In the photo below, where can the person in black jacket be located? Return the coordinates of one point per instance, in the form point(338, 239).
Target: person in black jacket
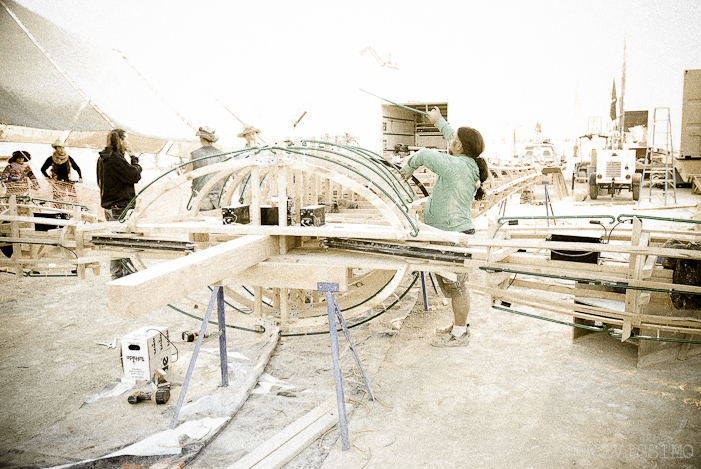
point(61, 164)
point(116, 178)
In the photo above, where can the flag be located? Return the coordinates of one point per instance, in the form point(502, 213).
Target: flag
point(613, 101)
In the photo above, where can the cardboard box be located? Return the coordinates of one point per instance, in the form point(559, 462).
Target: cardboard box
point(144, 351)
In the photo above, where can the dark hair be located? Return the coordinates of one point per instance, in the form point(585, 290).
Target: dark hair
point(473, 146)
point(114, 141)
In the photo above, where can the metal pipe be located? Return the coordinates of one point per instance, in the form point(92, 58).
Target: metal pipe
point(396, 104)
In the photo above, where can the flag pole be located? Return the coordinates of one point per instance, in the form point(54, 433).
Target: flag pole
point(623, 90)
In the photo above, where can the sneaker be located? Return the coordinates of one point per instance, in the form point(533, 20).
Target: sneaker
point(449, 340)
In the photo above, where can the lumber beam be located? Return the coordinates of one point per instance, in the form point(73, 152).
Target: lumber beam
point(294, 274)
point(289, 442)
point(142, 292)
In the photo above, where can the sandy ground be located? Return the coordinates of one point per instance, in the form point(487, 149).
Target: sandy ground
point(523, 394)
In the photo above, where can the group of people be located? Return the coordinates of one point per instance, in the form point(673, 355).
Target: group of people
point(207, 154)
point(18, 175)
point(460, 174)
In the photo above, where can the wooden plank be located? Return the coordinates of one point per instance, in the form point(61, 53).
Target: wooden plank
point(290, 274)
point(139, 293)
point(281, 448)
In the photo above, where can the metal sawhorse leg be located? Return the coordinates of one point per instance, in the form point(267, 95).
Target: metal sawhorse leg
point(218, 295)
point(548, 205)
point(335, 313)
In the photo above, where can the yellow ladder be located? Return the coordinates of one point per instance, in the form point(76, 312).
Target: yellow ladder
point(659, 156)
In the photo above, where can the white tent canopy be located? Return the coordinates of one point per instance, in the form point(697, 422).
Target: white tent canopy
point(55, 84)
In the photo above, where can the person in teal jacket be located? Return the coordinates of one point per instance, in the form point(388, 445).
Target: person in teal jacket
point(449, 207)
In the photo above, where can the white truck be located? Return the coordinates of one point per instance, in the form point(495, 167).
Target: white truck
point(615, 171)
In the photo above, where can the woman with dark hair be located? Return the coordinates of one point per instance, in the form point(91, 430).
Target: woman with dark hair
point(18, 173)
point(116, 178)
point(449, 208)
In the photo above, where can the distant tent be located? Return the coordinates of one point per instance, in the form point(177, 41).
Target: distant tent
point(52, 81)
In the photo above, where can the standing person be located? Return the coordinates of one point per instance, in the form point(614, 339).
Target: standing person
point(207, 137)
point(61, 164)
point(449, 208)
point(116, 178)
point(18, 174)
point(250, 133)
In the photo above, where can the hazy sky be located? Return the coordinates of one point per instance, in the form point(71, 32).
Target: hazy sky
point(501, 65)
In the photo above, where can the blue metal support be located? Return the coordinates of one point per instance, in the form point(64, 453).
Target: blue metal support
point(548, 205)
point(221, 319)
point(215, 295)
point(423, 290)
point(502, 208)
point(334, 312)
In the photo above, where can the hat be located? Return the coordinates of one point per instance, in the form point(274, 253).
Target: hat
point(248, 129)
point(208, 134)
point(20, 154)
point(58, 143)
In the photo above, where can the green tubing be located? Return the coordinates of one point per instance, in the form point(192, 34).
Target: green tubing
point(122, 217)
point(46, 244)
point(26, 198)
point(399, 298)
point(415, 231)
point(624, 217)
point(83, 208)
point(501, 220)
point(193, 194)
point(372, 167)
point(378, 161)
point(342, 310)
point(368, 162)
point(535, 274)
point(28, 274)
point(384, 164)
point(603, 328)
point(655, 339)
point(201, 181)
point(230, 305)
point(659, 290)
point(603, 283)
point(581, 326)
point(214, 322)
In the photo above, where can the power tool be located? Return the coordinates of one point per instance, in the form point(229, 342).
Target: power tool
point(191, 336)
point(159, 396)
